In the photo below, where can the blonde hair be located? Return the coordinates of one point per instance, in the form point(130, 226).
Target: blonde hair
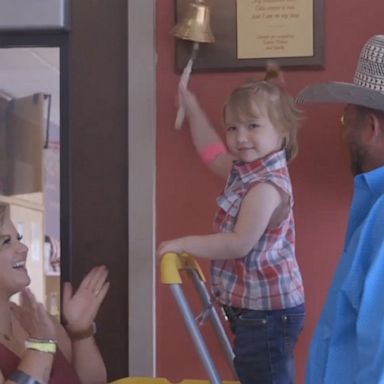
point(279, 104)
point(4, 213)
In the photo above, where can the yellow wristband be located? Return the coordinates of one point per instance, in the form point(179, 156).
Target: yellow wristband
point(48, 346)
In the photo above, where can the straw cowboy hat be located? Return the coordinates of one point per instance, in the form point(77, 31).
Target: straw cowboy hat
point(367, 88)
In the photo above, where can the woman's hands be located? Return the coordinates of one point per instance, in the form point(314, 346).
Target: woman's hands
point(80, 308)
point(33, 317)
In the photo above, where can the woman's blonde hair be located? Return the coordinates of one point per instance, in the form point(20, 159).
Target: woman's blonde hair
point(4, 212)
point(271, 94)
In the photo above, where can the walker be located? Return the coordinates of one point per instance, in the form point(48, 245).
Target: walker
point(171, 265)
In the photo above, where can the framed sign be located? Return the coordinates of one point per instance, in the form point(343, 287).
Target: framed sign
point(248, 33)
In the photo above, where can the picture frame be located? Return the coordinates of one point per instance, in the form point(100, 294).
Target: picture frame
point(222, 54)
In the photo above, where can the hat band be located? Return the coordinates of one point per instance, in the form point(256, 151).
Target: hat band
point(369, 82)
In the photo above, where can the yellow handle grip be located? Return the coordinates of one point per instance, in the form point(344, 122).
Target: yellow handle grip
point(172, 263)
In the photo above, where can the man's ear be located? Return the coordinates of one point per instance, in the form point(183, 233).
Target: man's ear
point(374, 134)
point(374, 130)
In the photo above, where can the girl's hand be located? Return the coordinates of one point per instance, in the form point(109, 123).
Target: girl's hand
point(170, 246)
point(33, 317)
point(80, 308)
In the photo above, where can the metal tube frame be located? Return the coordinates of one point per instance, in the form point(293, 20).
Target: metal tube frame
point(215, 319)
point(196, 334)
point(193, 328)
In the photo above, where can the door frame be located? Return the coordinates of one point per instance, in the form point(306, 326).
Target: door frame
point(141, 187)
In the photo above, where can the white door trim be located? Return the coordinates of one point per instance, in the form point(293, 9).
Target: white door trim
point(141, 186)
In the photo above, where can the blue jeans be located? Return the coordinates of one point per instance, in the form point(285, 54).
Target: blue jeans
point(264, 344)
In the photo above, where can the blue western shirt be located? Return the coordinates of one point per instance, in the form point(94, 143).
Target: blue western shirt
point(348, 344)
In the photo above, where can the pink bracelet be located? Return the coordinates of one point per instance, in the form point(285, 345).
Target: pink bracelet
point(210, 153)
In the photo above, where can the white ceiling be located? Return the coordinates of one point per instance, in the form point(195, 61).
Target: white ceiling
point(24, 71)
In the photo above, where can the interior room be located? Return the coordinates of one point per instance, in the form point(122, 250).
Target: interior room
point(95, 172)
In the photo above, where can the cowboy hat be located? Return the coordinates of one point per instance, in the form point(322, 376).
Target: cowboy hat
point(367, 88)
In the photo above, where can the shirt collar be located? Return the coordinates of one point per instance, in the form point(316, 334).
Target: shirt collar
point(275, 160)
point(373, 180)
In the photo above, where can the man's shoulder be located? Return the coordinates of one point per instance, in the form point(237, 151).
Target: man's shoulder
point(378, 205)
point(374, 220)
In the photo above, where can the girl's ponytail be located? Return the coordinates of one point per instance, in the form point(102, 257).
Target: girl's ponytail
point(274, 75)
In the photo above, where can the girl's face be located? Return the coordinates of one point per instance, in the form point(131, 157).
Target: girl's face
point(251, 136)
point(13, 254)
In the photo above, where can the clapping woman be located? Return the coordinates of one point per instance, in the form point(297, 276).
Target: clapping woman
point(34, 347)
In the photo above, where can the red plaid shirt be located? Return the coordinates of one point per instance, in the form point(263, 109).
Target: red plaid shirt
point(268, 277)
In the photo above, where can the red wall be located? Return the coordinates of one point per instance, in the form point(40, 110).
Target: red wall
point(186, 191)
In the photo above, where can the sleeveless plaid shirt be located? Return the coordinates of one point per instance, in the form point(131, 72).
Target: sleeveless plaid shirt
point(268, 277)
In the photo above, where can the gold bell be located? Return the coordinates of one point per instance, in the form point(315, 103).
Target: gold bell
point(194, 25)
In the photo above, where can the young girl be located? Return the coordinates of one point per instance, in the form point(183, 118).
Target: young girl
point(254, 270)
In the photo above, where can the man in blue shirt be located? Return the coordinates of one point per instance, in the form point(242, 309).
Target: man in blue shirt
point(348, 344)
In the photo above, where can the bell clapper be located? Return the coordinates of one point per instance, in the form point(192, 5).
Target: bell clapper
point(194, 26)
